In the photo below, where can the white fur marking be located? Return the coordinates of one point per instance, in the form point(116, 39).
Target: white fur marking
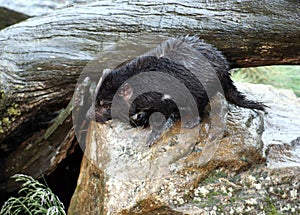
point(165, 97)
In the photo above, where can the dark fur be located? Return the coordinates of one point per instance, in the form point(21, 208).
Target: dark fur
point(159, 60)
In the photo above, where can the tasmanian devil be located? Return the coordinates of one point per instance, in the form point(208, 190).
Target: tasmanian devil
point(174, 80)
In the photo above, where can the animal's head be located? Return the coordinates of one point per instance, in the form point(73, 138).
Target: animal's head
point(110, 87)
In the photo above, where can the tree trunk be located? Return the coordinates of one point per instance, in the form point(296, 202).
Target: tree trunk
point(42, 57)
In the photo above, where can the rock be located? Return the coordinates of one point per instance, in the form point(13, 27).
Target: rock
point(260, 190)
point(120, 175)
point(281, 134)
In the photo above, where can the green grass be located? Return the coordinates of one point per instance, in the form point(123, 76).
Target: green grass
point(34, 198)
point(214, 176)
point(270, 208)
point(287, 77)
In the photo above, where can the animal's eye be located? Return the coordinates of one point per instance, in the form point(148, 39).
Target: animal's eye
point(107, 102)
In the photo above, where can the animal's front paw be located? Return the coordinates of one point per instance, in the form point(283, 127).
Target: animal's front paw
point(192, 123)
point(158, 128)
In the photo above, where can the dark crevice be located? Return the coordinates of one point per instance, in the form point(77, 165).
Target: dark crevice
point(39, 121)
point(63, 180)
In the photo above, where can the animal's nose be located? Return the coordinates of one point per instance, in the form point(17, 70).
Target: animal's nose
point(90, 115)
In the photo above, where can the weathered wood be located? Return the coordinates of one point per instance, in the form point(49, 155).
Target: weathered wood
point(35, 7)
point(41, 58)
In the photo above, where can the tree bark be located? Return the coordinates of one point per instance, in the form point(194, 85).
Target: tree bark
point(42, 57)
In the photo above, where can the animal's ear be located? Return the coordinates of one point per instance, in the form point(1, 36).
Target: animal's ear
point(126, 92)
point(105, 72)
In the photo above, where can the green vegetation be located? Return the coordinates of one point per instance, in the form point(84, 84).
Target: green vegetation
point(251, 193)
point(214, 176)
point(270, 208)
point(13, 110)
point(35, 198)
point(9, 117)
point(287, 77)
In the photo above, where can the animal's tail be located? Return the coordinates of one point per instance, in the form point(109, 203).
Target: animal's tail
point(239, 99)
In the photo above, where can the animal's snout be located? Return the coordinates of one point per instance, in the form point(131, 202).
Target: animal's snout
point(99, 115)
point(90, 115)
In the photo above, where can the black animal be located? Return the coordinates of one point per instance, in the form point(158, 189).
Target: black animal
point(152, 83)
